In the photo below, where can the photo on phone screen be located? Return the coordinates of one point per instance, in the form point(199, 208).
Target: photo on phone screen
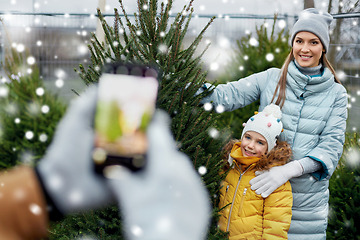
point(124, 110)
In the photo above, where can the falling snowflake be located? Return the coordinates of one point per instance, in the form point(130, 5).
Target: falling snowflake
point(202, 170)
point(163, 48)
point(59, 83)
point(4, 91)
point(246, 57)
point(45, 109)
point(27, 157)
point(11, 108)
point(17, 120)
point(29, 135)
point(33, 108)
point(43, 137)
point(214, 133)
point(208, 106)
point(220, 109)
point(269, 57)
point(82, 49)
point(40, 91)
point(35, 209)
point(20, 47)
point(282, 24)
point(30, 60)
point(341, 75)
point(254, 42)
point(353, 158)
point(136, 231)
point(75, 197)
point(214, 66)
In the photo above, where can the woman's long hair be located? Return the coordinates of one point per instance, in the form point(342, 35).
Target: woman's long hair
point(281, 85)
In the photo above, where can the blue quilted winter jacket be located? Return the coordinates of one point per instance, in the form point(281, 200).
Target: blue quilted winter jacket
point(314, 119)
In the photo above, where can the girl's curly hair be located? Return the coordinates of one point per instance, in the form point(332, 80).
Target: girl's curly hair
point(226, 150)
point(279, 155)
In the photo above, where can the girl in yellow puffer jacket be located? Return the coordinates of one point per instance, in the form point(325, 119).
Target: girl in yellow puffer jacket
point(245, 214)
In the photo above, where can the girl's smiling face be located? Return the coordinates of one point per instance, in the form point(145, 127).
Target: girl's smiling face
point(307, 49)
point(253, 144)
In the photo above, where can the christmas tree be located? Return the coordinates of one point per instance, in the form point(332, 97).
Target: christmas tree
point(344, 186)
point(154, 40)
point(253, 55)
point(28, 112)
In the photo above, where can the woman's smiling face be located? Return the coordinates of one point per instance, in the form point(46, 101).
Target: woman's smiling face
point(307, 49)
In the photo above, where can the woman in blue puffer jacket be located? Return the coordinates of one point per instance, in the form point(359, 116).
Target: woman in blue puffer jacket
point(314, 106)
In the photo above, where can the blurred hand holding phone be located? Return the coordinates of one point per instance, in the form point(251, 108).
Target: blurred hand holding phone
point(126, 102)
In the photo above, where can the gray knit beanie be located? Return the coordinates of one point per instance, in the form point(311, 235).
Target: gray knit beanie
point(316, 22)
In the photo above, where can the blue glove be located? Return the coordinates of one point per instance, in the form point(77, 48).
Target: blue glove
point(166, 199)
point(268, 181)
point(66, 171)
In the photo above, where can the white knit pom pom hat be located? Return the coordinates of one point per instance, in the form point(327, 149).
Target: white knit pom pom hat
point(267, 123)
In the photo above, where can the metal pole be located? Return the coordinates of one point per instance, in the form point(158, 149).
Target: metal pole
point(99, 31)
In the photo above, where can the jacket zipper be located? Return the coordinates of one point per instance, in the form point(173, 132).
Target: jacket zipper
point(236, 189)
point(232, 203)
point(242, 201)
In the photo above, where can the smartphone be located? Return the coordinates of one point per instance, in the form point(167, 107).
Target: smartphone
point(125, 105)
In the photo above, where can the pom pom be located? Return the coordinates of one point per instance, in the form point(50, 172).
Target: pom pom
point(273, 109)
point(244, 124)
point(269, 124)
point(282, 130)
point(252, 119)
point(256, 112)
point(278, 120)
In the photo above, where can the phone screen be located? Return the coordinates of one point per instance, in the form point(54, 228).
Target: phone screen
point(124, 110)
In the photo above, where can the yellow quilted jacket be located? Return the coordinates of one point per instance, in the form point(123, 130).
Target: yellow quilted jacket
point(251, 216)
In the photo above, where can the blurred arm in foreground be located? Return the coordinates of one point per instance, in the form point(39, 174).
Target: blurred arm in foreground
point(165, 200)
